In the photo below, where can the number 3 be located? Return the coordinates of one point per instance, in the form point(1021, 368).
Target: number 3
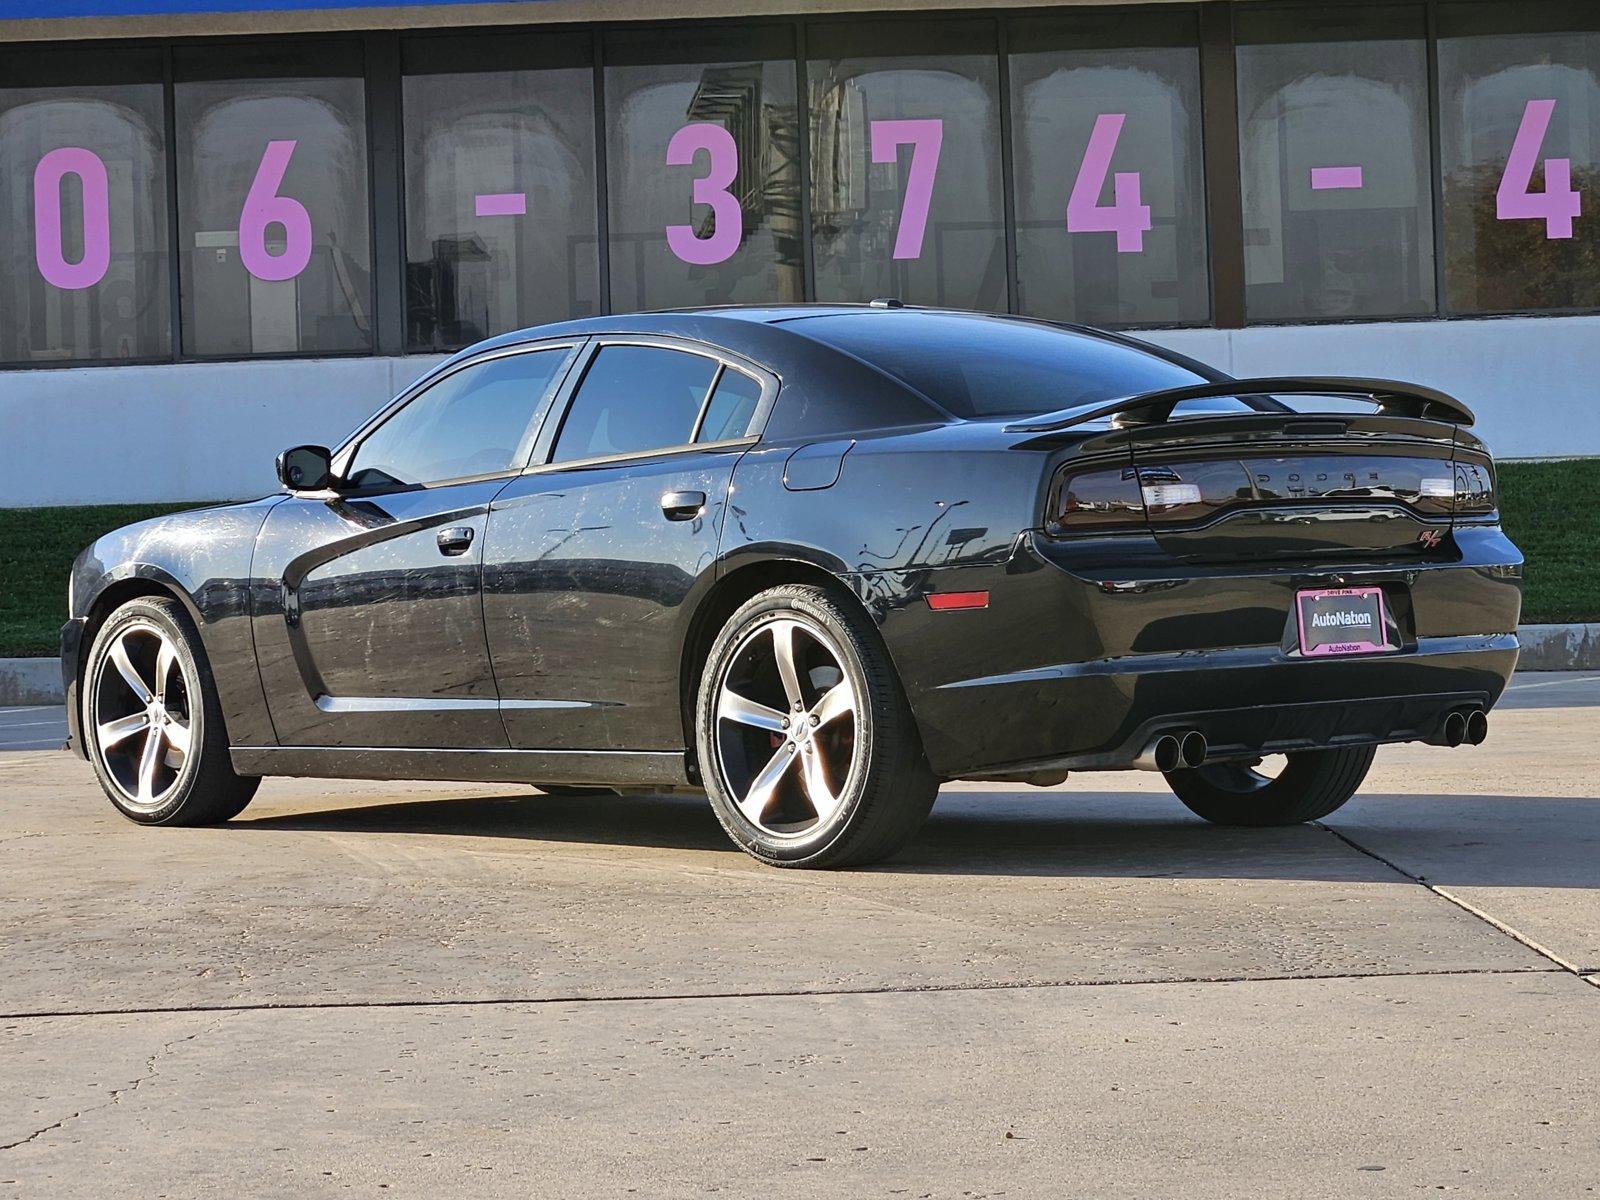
point(710, 189)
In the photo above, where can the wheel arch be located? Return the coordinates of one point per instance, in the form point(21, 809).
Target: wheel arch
point(732, 589)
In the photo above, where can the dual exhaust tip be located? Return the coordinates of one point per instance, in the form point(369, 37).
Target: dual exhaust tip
point(1173, 751)
point(1464, 727)
point(1170, 751)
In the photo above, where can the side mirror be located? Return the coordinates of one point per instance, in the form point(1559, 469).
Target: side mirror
point(305, 468)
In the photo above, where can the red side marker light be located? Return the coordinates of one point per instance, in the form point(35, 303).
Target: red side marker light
point(947, 601)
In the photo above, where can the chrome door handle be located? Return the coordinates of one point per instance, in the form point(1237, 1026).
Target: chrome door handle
point(455, 540)
point(683, 506)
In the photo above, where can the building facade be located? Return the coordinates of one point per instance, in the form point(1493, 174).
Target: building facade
point(232, 225)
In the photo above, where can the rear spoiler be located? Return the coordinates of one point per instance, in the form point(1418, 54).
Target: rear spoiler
point(1152, 408)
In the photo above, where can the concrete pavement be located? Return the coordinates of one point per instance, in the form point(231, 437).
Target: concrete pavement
point(435, 990)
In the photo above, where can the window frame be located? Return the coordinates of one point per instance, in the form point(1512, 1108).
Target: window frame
point(550, 433)
point(344, 456)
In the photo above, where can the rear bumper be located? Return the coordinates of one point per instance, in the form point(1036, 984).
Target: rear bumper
point(1080, 668)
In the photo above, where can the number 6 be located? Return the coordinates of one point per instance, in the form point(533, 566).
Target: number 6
point(263, 207)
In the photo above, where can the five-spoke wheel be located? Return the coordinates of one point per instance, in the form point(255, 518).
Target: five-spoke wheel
point(806, 743)
point(152, 721)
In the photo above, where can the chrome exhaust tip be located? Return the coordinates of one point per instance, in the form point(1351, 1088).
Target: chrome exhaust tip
point(1192, 749)
point(1164, 753)
point(1476, 727)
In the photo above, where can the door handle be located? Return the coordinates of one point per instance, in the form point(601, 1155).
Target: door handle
point(455, 540)
point(683, 506)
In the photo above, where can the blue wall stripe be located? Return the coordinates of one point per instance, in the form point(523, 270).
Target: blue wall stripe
point(13, 10)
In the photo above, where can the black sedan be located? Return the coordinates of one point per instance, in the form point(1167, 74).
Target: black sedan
point(814, 561)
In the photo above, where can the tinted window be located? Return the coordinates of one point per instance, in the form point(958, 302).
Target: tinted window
point(703, 174)
point(469, 423)
point(83, 209)
point(501, 227)
point(905, 162)
point(1096, 98)
point(1333, 143)
point(1519, 93)
point(977, 367)
point(732, 405)
point(275, 241)
point(634, 398)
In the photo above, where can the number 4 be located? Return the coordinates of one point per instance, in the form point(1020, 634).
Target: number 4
point(1516, 200)
point(1125, 216)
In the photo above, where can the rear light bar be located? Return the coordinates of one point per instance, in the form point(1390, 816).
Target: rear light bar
point(1124, 499)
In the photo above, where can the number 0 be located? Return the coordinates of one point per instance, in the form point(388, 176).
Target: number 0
point(47, 233)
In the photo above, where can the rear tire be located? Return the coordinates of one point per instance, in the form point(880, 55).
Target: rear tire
point(1311, 785)
point(807, 745)
point(152, 722)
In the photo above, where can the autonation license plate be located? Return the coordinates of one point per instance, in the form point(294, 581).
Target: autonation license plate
point(1342, 621)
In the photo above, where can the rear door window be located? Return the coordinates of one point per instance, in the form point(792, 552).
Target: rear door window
point(634, 399)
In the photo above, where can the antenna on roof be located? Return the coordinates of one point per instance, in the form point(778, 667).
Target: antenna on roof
point(886, 302)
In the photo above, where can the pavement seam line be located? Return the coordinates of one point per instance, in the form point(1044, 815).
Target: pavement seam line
point(1470, 909)
point(797, 993)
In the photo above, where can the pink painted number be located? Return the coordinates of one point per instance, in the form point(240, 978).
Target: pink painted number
point(264, 207)
point(1125, 216)
point(49, 252)
point(711, 189)
point(925, 136)
point(1516, 200)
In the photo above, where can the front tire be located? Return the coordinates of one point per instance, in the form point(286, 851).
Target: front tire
point(807, 745)
point(1312, 784)
point(152, 723)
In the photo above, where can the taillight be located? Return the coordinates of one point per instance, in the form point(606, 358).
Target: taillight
point(1474, 491)
point(1101, 501)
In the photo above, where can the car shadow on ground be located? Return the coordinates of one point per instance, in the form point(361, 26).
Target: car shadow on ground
point(1491, 841)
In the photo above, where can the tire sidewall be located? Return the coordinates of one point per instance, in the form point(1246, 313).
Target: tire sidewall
point(762, 609)
point(159, 614)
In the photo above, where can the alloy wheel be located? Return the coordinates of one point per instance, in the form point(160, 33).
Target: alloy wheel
point(142, 715)
point(787, 723)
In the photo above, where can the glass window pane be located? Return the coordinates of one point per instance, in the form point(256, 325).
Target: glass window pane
point(470, 423)
point(1519, 93)
point(733, 403)
point(1333, 138)
point(1096, 99)
point(634, 398)
point(276, 247)
point(501, 226)
point(702, 168)
point(905, 163)
point(981, 367)
point(83, 210)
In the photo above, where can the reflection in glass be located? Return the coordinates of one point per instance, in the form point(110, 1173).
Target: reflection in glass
point(905, 163)
point(634, 398)
point(276, 248)
point(1333, 138)
point(1066, 74)
point(1499, 71)
point(501, 227)
point(93, 283)
point(701, 138)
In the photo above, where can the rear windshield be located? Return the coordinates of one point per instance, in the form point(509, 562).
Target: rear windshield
point(986, 367)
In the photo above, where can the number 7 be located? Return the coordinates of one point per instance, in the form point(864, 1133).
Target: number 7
point(925, 137)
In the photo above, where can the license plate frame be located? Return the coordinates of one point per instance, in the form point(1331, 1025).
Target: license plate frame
point(1363, 637)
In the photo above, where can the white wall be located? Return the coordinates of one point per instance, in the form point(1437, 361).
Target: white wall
point(201, 431)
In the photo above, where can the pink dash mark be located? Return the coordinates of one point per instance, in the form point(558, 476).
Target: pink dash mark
point(1329, 179)
point(503, 204)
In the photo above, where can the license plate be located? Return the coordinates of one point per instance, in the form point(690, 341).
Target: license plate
point(1342, 621)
